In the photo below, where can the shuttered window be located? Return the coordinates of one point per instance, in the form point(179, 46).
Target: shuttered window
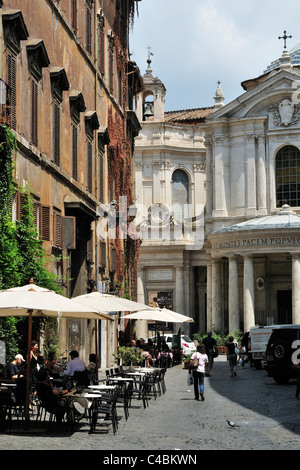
point(90, 166)
point(45, 223)
point(111, 72)
point(69, 233)
point(88, 30)
point(34, 113)
point(74, 14)
point(57, 229)
point(74, 151)
point(101, 52)
point(56, 134)
point(11, 81)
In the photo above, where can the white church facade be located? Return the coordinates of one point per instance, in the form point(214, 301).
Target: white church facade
point(219, 195)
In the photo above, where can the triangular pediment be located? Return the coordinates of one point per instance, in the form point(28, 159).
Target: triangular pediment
point(278, 89)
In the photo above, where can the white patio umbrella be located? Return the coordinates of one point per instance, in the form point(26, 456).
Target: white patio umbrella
point(34, 301)
point(159, 314)
point(109, 303)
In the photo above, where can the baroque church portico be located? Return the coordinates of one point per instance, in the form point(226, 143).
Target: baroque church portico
point(247, 270)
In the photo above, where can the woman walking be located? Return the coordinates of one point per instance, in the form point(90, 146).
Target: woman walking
point(199, 373)
point(231, 356)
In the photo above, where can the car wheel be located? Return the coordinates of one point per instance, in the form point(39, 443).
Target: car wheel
point(280, 350)
point(281, 378)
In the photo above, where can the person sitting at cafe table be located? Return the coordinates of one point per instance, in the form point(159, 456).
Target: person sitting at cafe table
point(13, 367)
point(49, 396)
point(145, 352)
point(76, 369)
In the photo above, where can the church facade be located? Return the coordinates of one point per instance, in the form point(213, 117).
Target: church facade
point(225, 180)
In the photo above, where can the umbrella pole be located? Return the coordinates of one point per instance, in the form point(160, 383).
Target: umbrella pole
point(28, 369)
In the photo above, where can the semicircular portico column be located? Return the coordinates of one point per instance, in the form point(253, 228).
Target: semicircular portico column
point(296, 288)
point(249, 314)
point(233, 295)
point(216, 294)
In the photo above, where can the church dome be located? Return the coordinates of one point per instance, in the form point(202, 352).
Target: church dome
point(285, 218)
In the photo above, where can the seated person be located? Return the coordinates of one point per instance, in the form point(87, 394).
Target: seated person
point(14, 367)
point(51, 361)
point(49, 397)
point(76, 369)
point(92, 367)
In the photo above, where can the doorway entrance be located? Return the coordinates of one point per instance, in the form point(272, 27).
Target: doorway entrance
point(284, 307)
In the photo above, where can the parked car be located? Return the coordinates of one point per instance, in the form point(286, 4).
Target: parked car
point(188, 346)
point(282, 357)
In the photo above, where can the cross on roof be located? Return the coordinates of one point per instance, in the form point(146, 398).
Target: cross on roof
point(149, 54)
point(284, 37)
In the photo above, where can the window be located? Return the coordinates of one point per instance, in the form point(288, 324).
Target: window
point(45, 223)
point(11, 81)
point(90, 166)
point(56, 133)
point(111, 49)
point(180, 196)
point(74, 150)
point(88, 29)
point(288, 176)
point(34, 112)
point(101, 45)
point(74, 14)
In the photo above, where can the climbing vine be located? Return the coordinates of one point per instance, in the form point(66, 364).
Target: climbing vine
point(21, 252)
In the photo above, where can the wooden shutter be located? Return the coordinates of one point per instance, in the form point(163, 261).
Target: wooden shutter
point(74, 151)
point(56, 134)
point(57, 228)
point(34, 113)
point(11, 81)
point(90, 166)
point(88, 30)
point(101, 52)
point(69, 233)
point(74, 14)
point(45, 223)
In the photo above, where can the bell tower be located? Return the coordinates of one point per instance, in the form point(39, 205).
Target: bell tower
point(151, 101)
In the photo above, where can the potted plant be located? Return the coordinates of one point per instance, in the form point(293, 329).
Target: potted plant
point(186, 362)
point(128, 356)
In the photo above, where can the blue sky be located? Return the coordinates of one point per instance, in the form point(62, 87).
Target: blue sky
point(198, 42)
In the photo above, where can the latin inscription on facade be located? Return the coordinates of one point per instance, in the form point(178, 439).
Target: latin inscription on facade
point(256, 242)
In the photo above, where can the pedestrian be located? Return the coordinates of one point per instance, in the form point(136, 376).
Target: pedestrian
point(231, 356)
point(210, 345)
point(14, 367)
point(199, 372)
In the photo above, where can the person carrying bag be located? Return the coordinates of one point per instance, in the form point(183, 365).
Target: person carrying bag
point(198, 361)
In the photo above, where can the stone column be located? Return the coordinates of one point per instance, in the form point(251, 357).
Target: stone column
point(296, 288)
point(209, 296)
point(261, 175)
point(233, 295)
point(249, 315)
point(179, 292)
point(216, 294)
point(141, 325)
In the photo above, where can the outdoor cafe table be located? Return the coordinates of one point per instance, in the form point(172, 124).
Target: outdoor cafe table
point(102, 387)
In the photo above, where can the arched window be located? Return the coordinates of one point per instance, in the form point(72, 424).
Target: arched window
point(180, 194)
point(288, 176)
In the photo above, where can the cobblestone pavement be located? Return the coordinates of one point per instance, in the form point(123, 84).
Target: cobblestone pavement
point(267, 415)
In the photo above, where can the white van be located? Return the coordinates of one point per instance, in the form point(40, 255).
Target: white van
point(258, 340)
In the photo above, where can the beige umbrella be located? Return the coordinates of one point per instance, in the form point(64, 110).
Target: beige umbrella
point(159, 314)
point(34, 301)
point(109, 303)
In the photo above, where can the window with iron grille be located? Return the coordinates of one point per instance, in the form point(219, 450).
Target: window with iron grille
point(34, 112)
point(288, 176)
point(56, 133)
point(12, 83)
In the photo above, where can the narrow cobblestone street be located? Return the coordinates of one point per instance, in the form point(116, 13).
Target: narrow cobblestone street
point(266, 413)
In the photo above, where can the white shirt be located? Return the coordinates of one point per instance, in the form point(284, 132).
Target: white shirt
point(203, 359)
point(75, 365)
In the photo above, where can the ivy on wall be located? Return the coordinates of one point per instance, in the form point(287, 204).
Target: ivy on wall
point(21, 252)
